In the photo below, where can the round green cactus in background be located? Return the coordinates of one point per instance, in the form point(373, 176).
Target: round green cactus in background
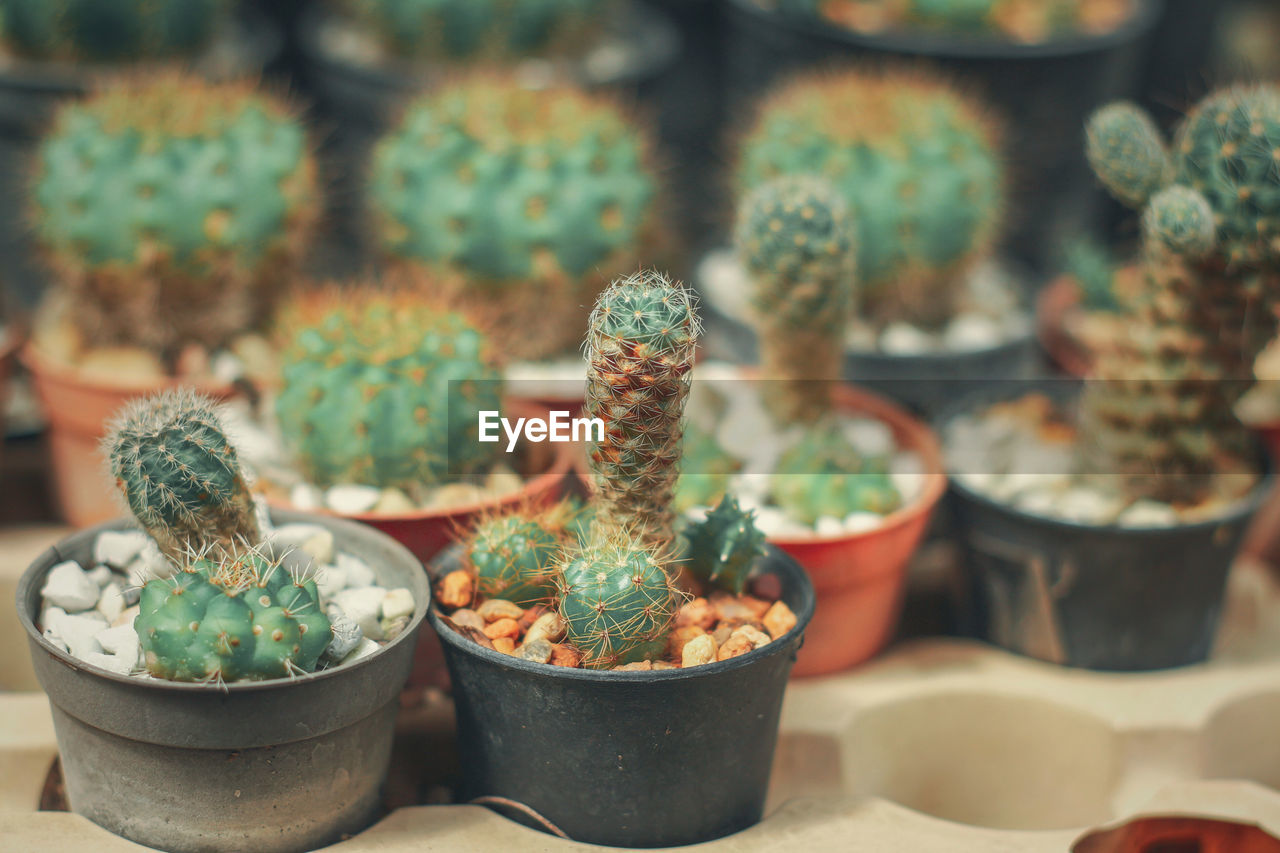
point(825, 475)
point(110, 30)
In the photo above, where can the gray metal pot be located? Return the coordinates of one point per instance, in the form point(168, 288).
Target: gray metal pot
point(274, 766)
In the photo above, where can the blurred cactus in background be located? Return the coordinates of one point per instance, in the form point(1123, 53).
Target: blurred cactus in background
point(110, 30)
point(525, 200)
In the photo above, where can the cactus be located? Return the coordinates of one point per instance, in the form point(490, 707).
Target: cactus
point(1124, 148)
point(180, 475)
point(172, 210)
point(824, 475)
point(528, 196)
point(383, 388)
point(1093, 267)
point(643, 332)
point(707, 470)
point(236, 618)
point(1163, 403)
point(481, 29)
point(917, 166)
point(797, 242)
point(721, 550)
point(514, 556)
point(616, 600)
point(110, 30)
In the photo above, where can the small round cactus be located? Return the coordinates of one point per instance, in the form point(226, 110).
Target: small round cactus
point(640, 346)
point(382, 388)
point(1126, 151)
point(110, 30)
point(617, 602)
point(826, 476)
point(180, 475)
point(721, 550)
point(514, 557)
point(1179, 220)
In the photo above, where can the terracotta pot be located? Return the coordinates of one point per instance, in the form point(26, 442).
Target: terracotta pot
point(78, 407)
point(1053, 305)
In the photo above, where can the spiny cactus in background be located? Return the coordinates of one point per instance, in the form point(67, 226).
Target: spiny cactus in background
point(172, 210)
point(640, 346)
point(110, 30)
point(530, 197)
point(798, 243)
point(721, 549)
point(616, 600)
point(1093, 267)
point(233, 618)
point(180, 475)
point(515, 557)
point(706, 470)
point(1163, 403)
point(482, 29)
point(825, 475)
point(383, 388)
point(918, 166)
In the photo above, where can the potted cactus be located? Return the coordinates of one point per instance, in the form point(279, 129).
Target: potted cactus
point(1082, 303)
point(236, 682)
point(636, 681)
point(1045, 64)
point(171, 213)
point(920, 168)
point(1116, 557)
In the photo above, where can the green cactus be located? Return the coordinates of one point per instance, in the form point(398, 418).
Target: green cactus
point(640, 346)
point(1126, 151)
point(527, 196)
point(173, 210)
point(380, 387)
point(110, 30)
point(1093, 267)
point(825, 475)
point(721, 550)
point(237, 618)
point(707, 470)
point(1029, 21)
point(617, 601)
point(482, 29)
point(1179, 220)
point(798, 243)
point(917, 165)
point(180, 475)
point(514, 557)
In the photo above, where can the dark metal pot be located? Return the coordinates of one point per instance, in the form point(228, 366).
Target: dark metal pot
point(632, 759)
point(271, 766)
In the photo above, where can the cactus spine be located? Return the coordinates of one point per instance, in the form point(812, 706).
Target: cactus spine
point(514, 557)
point(110, 30)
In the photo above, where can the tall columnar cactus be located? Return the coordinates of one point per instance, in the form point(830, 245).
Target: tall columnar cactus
point(383, 388)
point(798, 243)
point(1211, 216)
point(234, 618)
point(181, 477)
point(110, 30)
point(173, 210)
point(515, 557)
point(640, 346)
point(530, 196)
point(918, 166)
point(482, 29)
point(721, 549)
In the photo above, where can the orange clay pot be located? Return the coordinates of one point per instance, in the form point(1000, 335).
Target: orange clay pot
point(860, 578)
point(1054, 303)
point(78, 408)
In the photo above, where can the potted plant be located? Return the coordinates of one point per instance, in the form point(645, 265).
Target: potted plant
point(234, 705)
point(636, 692)
point(1105, 540)
point(1045, 64)
point(920, 168)
point(171, 212)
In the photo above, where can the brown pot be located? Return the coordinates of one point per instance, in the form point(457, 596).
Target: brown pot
point(78, 408)
point(1055, 303)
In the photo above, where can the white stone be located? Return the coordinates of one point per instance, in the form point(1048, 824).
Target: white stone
point(352, 499)
point(262, 515)
point(907, 472)
point(828, 525)
point(968, 332)
point(364, 607)
point(356, 571)
point(306, 497)
point(1147, 513)
point(226, 367)
point(346, 634)
point(154, 563)
point(79, 632)
point(117, 548)
point(746, 430)
point(1088, 506)
point(69, 587)
point(330, 580)
point(363, 650)
point(118, 664)
point(111, 604)
point(1038, 502)
point(775, 523)
point(869, 436)
point(101, 575)
point(397, 603)
point(121, 639)
point(905, 339)
point(52, 637)
point(312, 539)
point(861, 522)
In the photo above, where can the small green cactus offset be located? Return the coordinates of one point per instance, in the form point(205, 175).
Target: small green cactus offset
point(721, 550)
point(234, 618)
point(1124, 148)
point(640, 346)
point(917, 165)
point(383, 388)
point(173, 210)
point(180, 476)
point(824, 475)
point(1179, 220)
point(482, 29)
point(525, 196)
point(515, 557)
point(110, 30)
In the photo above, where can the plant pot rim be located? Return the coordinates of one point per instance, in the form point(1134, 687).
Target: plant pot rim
point(1241, 508)
point(69, 374)
point(938, 45)
point(32, 577)
point(794, 577)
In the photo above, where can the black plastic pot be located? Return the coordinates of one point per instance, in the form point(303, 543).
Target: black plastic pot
point(285, 765)
point(1093, 596)
point(632, 759)
point(1045, 92)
